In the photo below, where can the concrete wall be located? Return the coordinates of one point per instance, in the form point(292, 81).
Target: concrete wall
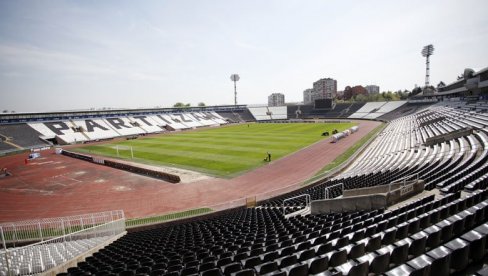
point(403, 193)
point(353, 203)
point(380, 189)
point(370, 198)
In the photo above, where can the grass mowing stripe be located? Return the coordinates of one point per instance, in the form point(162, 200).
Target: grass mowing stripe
point(211, 138)
point(198, 155)
point(174, 156)
point(242, 147)
point(220, 149)
point(223, 151)
point(219, 141)
point(217, 168)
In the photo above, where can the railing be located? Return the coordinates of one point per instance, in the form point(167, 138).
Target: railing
point(42, 256)
point(307, 202)
point(39, 230)
point(327, 190)
point(403, 180)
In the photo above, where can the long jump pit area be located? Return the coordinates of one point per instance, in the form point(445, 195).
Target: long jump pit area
point(56, 185)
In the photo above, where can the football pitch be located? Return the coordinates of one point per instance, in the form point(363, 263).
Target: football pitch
point(223, 151)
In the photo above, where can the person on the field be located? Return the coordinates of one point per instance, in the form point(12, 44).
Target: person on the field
point(269, 157)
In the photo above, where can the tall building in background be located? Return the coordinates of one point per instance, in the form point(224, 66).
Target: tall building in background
point(307, 96)
point(372, 89)
point(276, 99)
point(325, 88)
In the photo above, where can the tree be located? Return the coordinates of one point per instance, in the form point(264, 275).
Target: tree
point(416, 90)
point(388, 96)
point(201, 104)
point(178, 104)
point(403, 95)
point(347, 93)
point(375, 98)
point(181, 105)
point(359, 90)
point(360, 98)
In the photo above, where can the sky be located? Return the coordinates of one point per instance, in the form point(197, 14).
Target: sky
point(65, 55)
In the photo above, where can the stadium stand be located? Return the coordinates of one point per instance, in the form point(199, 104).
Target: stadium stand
point(260, 113)
point(372, 110)
point(37, 130)
point(123, 126)
point(344, 110)
point(213, 117)
point(59, 243)
point(34, 134)
point(442, 235)
point(390, 106)
point(45, 132)
point(400, 151)
point(208, 119)
point(4, 147)
point(96, 129)
point(231, 117)
point(22, 135)
point(299, 111)
point(167, 122)
point(187, 120)
point(146, 123)
point(52, 255)
point(341, 110)
point(236, 116)
point(369, 107)
point(437, 234)
point(278, 112)
point(64, 131)
point(265, 113)
point(404, 110)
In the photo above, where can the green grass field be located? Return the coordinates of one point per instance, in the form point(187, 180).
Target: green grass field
point(225, 151)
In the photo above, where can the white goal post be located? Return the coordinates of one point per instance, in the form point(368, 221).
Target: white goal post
point(122, 147)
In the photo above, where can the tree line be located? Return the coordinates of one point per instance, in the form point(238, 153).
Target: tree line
point(183, 105)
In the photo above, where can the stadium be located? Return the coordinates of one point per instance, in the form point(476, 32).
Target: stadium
point(106, 168)
point(191, 191)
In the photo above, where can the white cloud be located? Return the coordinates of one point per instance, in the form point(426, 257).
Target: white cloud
point(130, 53)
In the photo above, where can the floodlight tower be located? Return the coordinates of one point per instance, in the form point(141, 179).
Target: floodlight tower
point(235, 78)
point(427, 51)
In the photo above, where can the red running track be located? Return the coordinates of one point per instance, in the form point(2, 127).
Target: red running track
point(55, 185)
